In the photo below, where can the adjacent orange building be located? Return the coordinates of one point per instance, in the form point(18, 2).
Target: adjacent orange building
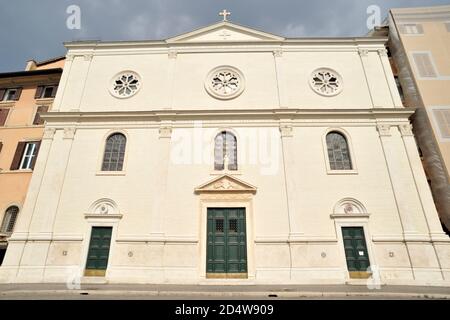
point(419, 40)
point(23, 96)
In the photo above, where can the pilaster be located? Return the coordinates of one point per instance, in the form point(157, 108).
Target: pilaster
point(423, 189)
point(289, 164)
point(403, 184)
point(160, 203)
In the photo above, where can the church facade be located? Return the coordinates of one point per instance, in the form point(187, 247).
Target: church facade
point(228, 155)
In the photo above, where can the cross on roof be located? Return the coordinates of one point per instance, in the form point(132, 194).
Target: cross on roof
point(224, 13)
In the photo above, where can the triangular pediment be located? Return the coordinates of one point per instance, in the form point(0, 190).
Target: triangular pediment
point(225, 32)
point(226, 183)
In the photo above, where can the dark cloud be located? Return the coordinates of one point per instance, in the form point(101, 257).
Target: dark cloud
point(32, 29)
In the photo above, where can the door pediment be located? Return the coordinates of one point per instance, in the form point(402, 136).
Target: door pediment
point(224, 184)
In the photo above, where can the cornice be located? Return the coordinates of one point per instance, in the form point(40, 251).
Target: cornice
point(266, 114)
point(303, 44)
point(31, 80)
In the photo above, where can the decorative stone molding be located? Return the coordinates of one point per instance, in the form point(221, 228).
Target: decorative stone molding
point(49, 134)
point(88, 57)
point(69, 133)
point(172, 54)
point(165, 132)
point(286, 131)
point(382, 52)
point(232, 196)
point(363, 52)
point(70, 57)
point(104, 206)
point(384, 130)
point(349, 206)
point(278, 53)
point(406, 130)
point(225, 184)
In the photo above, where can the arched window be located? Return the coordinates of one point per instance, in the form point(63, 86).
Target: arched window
point(338, 152)
point(9, 220)
point(225, 151)
point(114, 152)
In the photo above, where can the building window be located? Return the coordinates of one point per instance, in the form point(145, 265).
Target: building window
point(46, 92)
point(326, 82)
point(225, 151)
point(424, 64)
point(338, 152)
point(411, 28)
point(9, 220)
point(25, 156)
point(12, 94)
point(225, 83)
point(28, 156)
point(114, 155)
point(442, 117)
point(37, 118)
point(125, 84)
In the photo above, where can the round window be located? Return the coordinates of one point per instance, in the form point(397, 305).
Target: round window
point(326, 82)
point(125, 84)
point(225, 83)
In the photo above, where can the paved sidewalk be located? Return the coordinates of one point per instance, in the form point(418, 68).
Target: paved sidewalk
point(37, 291)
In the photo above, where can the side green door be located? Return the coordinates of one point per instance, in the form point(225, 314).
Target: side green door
point(227, 245)
point(356, 252)
point(98, 255)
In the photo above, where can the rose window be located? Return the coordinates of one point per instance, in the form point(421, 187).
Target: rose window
point(326, 82)
point(125, 85)
point(225, 83)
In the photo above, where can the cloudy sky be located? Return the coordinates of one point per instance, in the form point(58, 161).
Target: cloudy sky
point(31, 29)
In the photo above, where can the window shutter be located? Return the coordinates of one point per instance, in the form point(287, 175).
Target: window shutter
point(18, 156)
point(38, 92)
point(419, 29)
point(2, 94)
point(3, 116)
point(18, 93)
point(1, 146)
point(442, 117)
point(36, 152)
point(37, 118)
point(55, 89)
point(424, 65)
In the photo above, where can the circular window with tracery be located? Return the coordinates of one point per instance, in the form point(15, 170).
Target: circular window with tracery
point(225, 83)
point(326, 82)
point(125, 84)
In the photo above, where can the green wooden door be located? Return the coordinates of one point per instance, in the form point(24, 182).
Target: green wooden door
point(98, 255)
point(356, 252)
point(227, 245)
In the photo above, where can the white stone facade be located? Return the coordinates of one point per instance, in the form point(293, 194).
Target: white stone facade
point(295, 204)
